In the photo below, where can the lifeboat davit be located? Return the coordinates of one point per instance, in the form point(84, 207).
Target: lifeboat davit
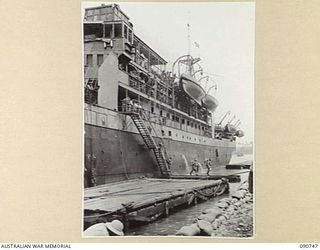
point(210, 102)
point(192, 88)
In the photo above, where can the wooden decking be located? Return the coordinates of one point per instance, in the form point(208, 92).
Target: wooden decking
point(110, 197)
point(145, 199)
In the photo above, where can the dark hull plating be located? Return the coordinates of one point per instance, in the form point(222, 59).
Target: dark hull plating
point(120, 155)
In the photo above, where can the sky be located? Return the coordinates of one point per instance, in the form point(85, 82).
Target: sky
point(225, 35)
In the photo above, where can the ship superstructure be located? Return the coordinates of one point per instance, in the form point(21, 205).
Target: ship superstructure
point(140, 118)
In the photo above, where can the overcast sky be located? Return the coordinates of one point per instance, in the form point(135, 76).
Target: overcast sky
point(225, 34)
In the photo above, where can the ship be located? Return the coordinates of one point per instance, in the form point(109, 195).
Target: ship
point(140, 119)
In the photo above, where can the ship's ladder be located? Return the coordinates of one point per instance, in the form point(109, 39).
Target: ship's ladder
point(144, 132)
point(159, 151)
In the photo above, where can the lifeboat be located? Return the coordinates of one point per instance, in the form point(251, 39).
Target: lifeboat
point(210, 103)
point(239, 133)
point(230, 129)
point(192, 88)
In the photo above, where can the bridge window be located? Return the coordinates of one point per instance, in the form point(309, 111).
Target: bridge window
point(89, 60)
point(118, 30)
point(160, 112)
point(217, 153)
point(152, 109)
point(162, 132)
point(188, 123)
point(169, 132)
point(99, 59)
point(125, 31)
point(182, 121)
point(108, 30)
point(130, 36)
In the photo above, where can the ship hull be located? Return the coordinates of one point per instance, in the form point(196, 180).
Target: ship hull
point(116, 155)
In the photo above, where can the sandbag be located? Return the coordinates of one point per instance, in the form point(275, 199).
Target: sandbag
point(244, 183)
point(238, 195)
point(222, 205)
point(191, 230)
point(205, 227)
point(221, 219)
point(209, 217)
point(243, 192)
point(245, 186)
point(230, 209)
point(205, 217)
point(226, 200)
point(227, 215)
point(238, 204)
point(234, 200)
point(214, 210)
point(247, 198)
point(215, 225)
point(248, 195)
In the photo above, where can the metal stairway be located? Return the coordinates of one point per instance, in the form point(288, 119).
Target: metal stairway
point(149, 141)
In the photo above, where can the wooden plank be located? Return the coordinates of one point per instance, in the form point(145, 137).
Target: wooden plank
point(112, 197)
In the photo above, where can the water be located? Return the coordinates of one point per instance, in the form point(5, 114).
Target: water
point(171, 224)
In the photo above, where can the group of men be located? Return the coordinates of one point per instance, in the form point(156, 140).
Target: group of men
point(197, 165)
point(131, 105)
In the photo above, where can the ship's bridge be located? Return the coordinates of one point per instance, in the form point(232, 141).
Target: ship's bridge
point(104, 12)
point(110, 22)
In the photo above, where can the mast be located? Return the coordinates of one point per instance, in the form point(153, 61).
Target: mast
point(189, 48)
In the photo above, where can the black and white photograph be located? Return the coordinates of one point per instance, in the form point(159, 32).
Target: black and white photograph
point(168, 106)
